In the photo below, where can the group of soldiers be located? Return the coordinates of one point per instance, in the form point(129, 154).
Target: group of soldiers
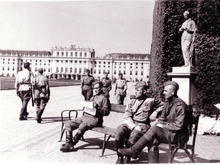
point(120, 89)
point(27, 85)
point(136, 130)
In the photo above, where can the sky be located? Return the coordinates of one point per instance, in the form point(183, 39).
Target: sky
point(107, 26)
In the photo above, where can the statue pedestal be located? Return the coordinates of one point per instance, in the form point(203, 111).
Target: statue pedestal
point(185, 77)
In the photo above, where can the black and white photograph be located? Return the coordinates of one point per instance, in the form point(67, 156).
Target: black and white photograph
point(109, 82)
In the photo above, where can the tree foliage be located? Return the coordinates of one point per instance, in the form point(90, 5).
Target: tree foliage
point(166, 47)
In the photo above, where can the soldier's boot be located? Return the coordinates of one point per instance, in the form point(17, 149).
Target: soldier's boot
point(128, 158)
point(76, 138)
point(135, 149)
point(69, 145)
point(119, 144)
point(153, 154)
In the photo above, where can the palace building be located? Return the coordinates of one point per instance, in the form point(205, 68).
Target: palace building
point(71, 62)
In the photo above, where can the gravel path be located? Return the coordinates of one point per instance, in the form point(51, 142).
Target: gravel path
point(30, 142)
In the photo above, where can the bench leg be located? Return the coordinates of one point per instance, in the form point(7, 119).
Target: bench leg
point(61, 136)
point(105, 143)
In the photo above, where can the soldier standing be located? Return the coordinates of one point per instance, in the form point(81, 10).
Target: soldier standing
point(23, 89)
point(107, 84)
point(41, 93)
point(86, 85)
point(120, 89)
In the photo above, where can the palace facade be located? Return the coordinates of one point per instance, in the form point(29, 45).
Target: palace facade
point(71, 62)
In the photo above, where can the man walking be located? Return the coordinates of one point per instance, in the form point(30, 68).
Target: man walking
point(23, 89)
point(41, 93)
point(172, 120)
point(136, 119)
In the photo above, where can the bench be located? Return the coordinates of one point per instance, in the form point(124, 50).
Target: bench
point(107, 131)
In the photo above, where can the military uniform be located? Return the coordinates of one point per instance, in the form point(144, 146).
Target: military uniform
point(23, 89)
point(41, 95)
point(137, 114)
point(172, 120)
point(88, 121)
point(107, 86)
point(121, 87)
point(86, 86)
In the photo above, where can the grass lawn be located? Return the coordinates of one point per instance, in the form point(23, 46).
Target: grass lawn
point(7, 83)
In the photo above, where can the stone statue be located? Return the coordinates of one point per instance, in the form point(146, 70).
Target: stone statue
point(187, 40)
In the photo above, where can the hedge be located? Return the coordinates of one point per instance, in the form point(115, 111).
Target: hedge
point(166, 47)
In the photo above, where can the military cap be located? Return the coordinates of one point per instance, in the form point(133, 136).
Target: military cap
point(87, 70)
point(172, 83)
point(105, 72)
point(97, 82)
point(120, 74)
point(40, 70)
point(141, 84)
point(26, 65)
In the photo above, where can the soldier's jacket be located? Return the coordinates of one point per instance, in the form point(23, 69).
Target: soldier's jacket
point(41, 87)
point(86, 83)
point(103, 106)
point(107, 85)
point(173, 117)
point(121, 84)
point(23, 80)
point(139, 111)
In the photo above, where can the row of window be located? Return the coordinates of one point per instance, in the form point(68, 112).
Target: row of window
point(71, 54)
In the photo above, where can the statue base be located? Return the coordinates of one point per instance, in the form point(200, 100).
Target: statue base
point(185, 77)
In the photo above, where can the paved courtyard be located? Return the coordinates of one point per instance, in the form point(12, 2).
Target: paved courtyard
point(28, 142)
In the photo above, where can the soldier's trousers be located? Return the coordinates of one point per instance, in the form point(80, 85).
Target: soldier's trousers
point(40, 106)
point(124, 132)
point(83, 124)
point(87, 94)
point(25, 98)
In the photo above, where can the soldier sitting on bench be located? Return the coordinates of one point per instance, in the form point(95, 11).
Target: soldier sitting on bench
point(87, 121)
point(136, 118)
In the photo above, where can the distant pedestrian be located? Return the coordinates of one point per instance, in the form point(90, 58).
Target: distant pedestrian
point(120, 89)
point(86, 85)
point(107, 84)
point(41, 93)
point(23, 89)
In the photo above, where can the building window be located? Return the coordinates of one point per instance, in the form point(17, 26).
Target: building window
point(124, 72)
point(66, 53)
point(114, 71)
point(130, 72)
point(141, 73)
point(3, 68)
point(80, 70)
point(61, 69)
point(136, 73)
point(71, 69)
point(57, 53)
point(62, 53)
point(75, 70)
point(36, 69)
point(76, 54)
point(71, 54)
point(80, 54)
point(48, 69)
point(66, 69)
point(85, 54)
point(99, 71)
